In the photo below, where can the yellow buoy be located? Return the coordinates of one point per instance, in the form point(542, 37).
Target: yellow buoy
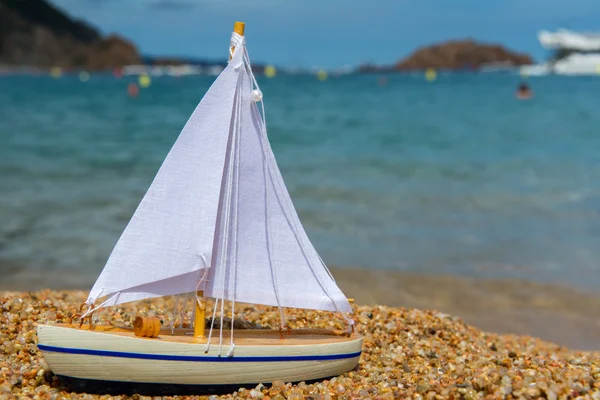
point(84, 76)
point(55, 72)
point(270, 71)
point(144, 81)
point(322, 75)
point(430, 75)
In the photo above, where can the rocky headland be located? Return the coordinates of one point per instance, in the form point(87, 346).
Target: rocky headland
point(455, 55)
point(461, 54)
point(34, 33)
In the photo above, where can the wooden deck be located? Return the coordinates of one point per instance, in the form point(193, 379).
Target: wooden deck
point(249, 337)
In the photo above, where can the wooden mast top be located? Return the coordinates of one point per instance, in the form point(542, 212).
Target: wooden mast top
point(238, 27)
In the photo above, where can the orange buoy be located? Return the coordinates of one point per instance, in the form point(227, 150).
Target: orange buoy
point(132, 90)
point(146, 327)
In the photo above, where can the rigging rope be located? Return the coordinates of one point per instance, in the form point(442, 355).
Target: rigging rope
point(231, 210)
point(272, 169)
point(172, 327)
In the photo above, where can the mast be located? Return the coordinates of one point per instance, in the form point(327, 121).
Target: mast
point(200, 314)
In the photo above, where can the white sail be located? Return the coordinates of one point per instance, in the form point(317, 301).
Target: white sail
point(184, 283)
point(262, 254)
point(170, 236)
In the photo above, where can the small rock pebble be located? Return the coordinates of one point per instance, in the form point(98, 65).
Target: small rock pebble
point(407, 354)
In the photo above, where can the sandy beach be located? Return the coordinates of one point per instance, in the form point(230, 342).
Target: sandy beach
point(407, 353)
point(431, 340)
point(558, 314)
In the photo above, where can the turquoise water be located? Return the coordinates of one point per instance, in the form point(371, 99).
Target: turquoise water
point(452, 177)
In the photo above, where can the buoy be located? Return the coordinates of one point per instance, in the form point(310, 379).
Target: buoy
point(118, 72)
point(55, 72)
point(322, 75)
point(144, 81)
point(270, 71)
point(430, 75)
point(84, 76)
point(146, 327)
point(132, 89)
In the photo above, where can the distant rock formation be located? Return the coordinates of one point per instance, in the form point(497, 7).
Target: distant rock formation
point(463, 54)
point(34, 33)
point(110, 52)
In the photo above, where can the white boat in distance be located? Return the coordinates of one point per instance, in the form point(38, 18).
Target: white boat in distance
point(574, 54)
point(217, 221)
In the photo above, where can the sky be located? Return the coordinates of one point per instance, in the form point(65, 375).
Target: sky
point(330, 33)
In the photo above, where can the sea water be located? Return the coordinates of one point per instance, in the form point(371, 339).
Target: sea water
point(454, 176)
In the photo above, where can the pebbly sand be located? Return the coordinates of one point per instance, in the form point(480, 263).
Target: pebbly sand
point(407, 353)
point(558, 314)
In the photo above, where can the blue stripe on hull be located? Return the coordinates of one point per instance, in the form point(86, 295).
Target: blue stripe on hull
point(166, 357)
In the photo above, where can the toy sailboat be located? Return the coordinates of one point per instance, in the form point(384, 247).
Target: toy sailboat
point(216, 221)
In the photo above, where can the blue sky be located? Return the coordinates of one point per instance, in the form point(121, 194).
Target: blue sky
point(330, 33)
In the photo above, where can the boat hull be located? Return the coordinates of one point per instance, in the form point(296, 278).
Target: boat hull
point(122, 357)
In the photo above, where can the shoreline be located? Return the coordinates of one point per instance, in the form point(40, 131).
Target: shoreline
point(560, 314)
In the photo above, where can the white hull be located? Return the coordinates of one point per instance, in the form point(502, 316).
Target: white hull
point(584, 57)
point(85, 354)
point(578, 64)
point(570, 66)
point(535, 70)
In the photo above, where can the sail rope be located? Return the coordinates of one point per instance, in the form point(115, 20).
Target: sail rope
point(172, 327)
point(183, 310)
point(221, 278)
point(227, 224)
point(295, 230)
point(228, 207)
point(223, 253)
point(212, 324)
point(228, 211)
point(204, 276)
point(231, 211)
point(91, 307)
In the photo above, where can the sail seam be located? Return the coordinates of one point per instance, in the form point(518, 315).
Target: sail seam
point(236, 203)
point(227, 223)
